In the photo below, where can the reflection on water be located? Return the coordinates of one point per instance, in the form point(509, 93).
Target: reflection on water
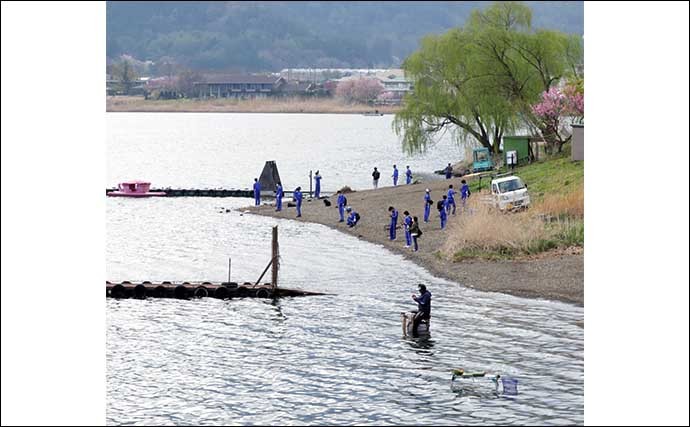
point(332, 359)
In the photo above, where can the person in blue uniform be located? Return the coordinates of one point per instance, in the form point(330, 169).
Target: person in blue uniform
point(352, 217)
point(464, 192)
point(427, 205)
point(257, 192)
point(441, 206)
point(297, 196)
point(279, 197)
point(407, 222)
point(451, 199)
point(395, 175)
point(423, 308)
point(317, 188)
point(394, 221)
point(408, 176)
point(341, 206)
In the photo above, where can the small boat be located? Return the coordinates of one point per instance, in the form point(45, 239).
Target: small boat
point(134, 189)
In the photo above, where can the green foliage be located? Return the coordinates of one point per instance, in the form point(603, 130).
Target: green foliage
point(481, 80)
point(124, 73)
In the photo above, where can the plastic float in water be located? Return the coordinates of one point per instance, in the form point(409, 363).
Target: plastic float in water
point(134, 189)
point(476, 381)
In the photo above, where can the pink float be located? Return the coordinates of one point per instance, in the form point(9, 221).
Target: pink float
point(135, 189)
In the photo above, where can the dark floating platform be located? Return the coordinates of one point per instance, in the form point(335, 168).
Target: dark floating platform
point(182, 192)
point(186, 290)
point(193, 192)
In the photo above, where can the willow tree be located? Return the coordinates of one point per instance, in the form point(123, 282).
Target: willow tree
point(482, 79)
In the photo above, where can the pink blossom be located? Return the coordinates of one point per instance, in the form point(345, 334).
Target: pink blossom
point(556, 103)
point(360, 90)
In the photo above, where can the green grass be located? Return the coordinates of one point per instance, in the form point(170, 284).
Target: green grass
point(558, 175)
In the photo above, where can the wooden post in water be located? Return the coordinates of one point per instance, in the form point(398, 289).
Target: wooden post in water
point(273, 262)
point(275, 254)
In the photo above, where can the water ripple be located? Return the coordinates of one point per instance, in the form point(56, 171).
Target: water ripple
point(333, 359)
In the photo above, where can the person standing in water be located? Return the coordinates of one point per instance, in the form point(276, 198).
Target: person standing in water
point(257, 192)
point(317, 185)
point(423, 308)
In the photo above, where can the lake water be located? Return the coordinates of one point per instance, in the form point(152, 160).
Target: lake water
point(229, 150)
point(334, 359)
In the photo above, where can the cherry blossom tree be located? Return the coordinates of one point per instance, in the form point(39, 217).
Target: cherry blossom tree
point(359, 90)
point(558, 109)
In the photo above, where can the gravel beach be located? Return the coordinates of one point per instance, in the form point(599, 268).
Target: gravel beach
point(555, 275)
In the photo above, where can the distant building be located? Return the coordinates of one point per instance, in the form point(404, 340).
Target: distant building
point(395, 86)
point(294, 89)
point(111, 85)
point(116, 87)
point(237, 86)
point(318, 75)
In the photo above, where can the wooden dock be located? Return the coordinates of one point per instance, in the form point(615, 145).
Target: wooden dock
point(187, 290)
point(223, 290)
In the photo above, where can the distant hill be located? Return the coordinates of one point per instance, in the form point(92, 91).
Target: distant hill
point(269, 36)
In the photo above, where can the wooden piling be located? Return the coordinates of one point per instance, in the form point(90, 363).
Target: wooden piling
point(275, 258)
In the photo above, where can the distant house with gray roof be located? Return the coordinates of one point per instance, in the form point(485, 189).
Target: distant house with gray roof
point(237, 86)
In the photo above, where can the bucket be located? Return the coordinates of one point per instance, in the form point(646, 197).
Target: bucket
point(509, 386)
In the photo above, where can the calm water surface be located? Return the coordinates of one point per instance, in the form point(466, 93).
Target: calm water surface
point(335, 359)
point(208, 150)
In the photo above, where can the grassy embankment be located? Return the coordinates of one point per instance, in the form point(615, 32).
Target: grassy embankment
point(555, 219)
point(226, 105)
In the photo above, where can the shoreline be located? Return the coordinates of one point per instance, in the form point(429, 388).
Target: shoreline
point(556, 275)
point(129, 104)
